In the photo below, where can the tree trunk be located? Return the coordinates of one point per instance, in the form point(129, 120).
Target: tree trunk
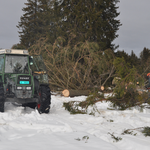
point(73, 93)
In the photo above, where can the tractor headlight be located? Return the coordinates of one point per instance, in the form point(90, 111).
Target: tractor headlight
point(19, 88)
point(28, 88)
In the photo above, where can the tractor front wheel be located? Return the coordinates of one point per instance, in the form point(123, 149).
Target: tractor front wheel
point(45, 99)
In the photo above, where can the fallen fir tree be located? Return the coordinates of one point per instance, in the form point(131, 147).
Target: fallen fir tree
point(125, 94)
point(79, 67)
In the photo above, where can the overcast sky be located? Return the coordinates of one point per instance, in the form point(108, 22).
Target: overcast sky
point(134, 34)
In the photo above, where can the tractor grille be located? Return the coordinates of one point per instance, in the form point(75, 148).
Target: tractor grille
point(23, 94)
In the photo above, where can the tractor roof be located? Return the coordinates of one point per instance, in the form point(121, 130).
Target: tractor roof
point(14, 51)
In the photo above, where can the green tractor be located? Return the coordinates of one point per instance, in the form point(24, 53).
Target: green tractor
point(23, 80)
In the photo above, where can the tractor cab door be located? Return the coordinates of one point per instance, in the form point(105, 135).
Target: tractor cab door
point(38, 68)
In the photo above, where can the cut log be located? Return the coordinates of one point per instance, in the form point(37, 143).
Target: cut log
point(102, 88)
point(73, 93)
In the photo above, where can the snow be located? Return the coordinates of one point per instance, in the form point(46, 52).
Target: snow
point(26, 129)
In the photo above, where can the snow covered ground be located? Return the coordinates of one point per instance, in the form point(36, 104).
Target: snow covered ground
point(26, 129)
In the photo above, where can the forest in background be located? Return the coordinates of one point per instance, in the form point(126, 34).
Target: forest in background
point(75, 39)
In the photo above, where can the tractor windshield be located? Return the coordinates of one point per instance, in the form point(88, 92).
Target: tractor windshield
point(16, 64)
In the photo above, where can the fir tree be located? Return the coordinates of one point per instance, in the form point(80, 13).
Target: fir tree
point(123, 54)
point(36, 21)
point(55, 27)
point(144, 55)
point(29, 24)
point(134, 60)
point(45, 15)
point(145, 61)
point(92, 20)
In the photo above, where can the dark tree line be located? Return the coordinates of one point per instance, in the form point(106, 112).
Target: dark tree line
point(141, 63)
point(82, 20)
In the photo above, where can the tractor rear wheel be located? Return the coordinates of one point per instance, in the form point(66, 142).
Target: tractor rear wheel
point(45, 99)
